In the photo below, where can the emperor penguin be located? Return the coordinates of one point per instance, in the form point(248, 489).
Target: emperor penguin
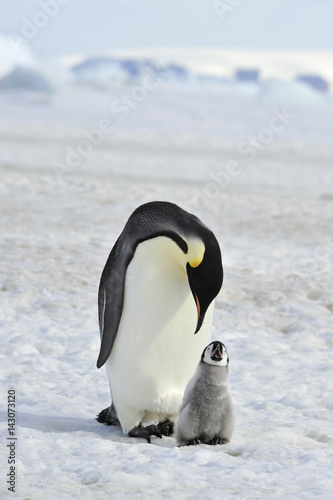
point(206, 414)
point(155, 300)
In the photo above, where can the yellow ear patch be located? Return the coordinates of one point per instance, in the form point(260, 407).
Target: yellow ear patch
point(196, 250)
point(195, 262)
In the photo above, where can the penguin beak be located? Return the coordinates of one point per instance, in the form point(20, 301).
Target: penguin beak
point(205, 279)
point(200, 318)
point(193, 282)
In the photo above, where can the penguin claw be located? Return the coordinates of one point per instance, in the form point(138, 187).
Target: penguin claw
point(154, 430)
point(219, 441)
point(108, 416)
point(140, 432)
point(145, 432)
point(166, 427)
point(191, 442)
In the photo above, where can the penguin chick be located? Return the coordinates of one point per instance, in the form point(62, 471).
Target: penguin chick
point(206, 414)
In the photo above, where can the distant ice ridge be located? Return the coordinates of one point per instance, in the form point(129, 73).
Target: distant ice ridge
point(293, 93)
point(12, 56)
point(100, 72)
point(106, 70)
point(20, 70)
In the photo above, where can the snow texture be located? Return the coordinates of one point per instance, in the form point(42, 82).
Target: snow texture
point(264, 186)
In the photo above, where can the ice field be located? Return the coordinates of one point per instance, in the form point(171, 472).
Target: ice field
point(74, 164)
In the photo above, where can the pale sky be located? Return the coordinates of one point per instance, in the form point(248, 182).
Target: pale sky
point(71, 26)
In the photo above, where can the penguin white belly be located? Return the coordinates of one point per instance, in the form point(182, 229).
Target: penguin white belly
point(155, 352)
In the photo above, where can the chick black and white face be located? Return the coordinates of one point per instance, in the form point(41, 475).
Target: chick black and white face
point(215, 354)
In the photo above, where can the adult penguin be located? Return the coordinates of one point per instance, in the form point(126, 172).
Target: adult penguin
point(156, 300)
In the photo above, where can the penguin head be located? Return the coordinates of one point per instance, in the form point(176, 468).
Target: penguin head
point(194, 246)
point(199, 259)
point(215, 354)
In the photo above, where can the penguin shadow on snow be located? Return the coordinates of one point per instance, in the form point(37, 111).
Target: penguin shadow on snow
point(63, 424)
point(54, 423)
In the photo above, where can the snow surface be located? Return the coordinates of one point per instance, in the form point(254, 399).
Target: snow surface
point(272, 214)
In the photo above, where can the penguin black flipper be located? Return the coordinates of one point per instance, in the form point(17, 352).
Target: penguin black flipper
point(112, 284)
point(111, 297)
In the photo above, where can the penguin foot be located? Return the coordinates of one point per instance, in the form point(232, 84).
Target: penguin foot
point(108, 416)
point(190, 442)
point(166, 427)
point(218, 440)
point(145, 432)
